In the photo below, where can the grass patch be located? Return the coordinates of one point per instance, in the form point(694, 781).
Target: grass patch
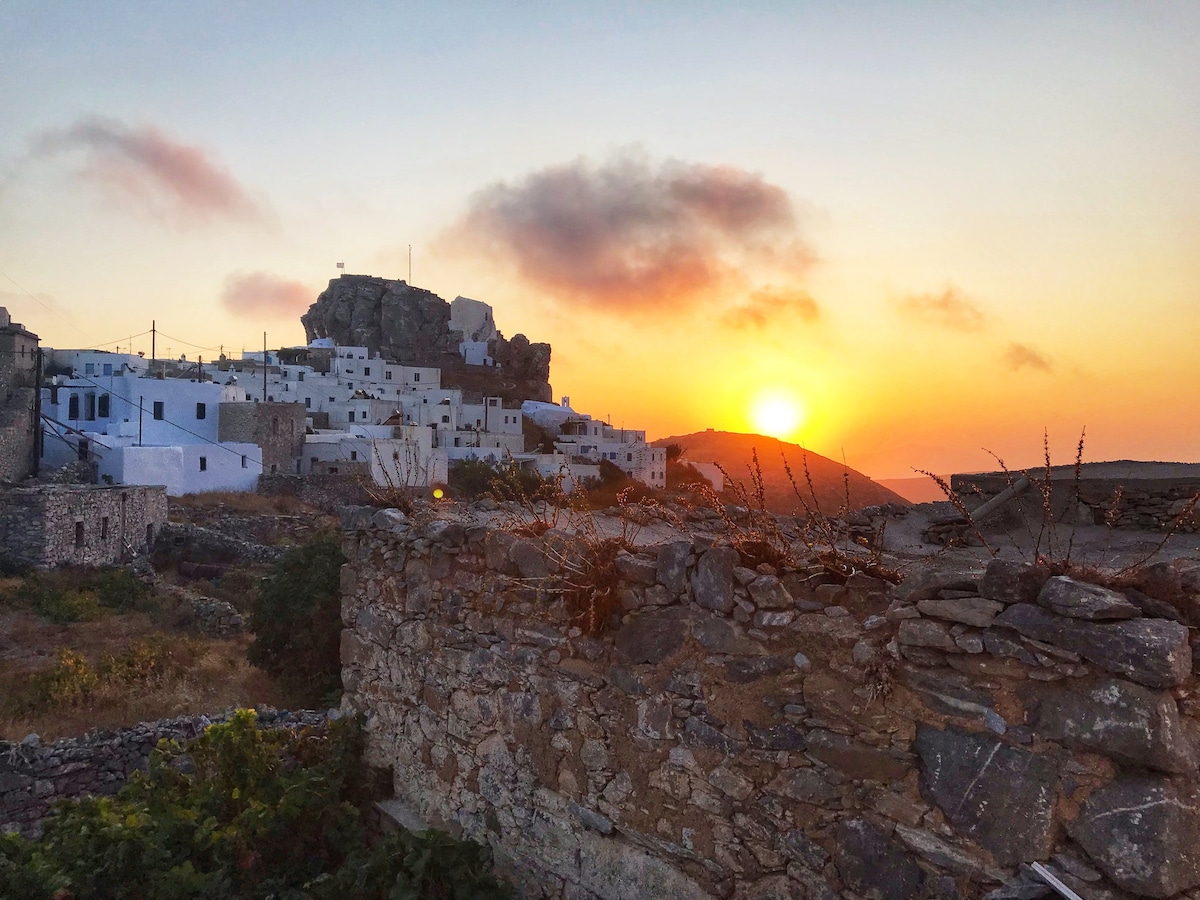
point(78, 595)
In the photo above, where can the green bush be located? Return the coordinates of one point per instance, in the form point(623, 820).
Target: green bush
point(256, 815)
point(297, 622)
point(80, 595)
point(470, 479)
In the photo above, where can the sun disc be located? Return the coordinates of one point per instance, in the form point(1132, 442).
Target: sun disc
point(777, 414)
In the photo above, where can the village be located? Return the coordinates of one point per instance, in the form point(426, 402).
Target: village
point(74, 418)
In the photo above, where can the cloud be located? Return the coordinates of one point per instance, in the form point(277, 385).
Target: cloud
point(949, 309)
point(263, 294)
point(160, 175)
point(769, 306)
point(632, 234)
point(1022, 356)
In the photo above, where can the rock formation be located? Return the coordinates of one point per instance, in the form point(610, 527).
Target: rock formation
point(415, 327)
point(402, 323)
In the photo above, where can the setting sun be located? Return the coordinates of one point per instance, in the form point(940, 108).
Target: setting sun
point(777, 414)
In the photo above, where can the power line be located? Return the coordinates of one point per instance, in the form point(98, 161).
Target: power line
point(44, 306)
point(188, 343)
point(140, 408)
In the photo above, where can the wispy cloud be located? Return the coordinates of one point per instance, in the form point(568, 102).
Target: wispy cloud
point(633, 234)
point(254, 294)
point(771, 306)
point(1022, 356)
point(949, 309)
point(153, 171)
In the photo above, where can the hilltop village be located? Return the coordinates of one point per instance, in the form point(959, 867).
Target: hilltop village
point(394, 384)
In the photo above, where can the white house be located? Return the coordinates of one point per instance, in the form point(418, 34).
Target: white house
point(143, 430)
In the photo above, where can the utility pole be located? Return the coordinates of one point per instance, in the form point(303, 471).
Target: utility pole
point(153, 343)
point(141, 404)
point(264, 367)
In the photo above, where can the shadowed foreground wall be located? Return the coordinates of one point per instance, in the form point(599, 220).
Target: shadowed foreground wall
point(775, 734)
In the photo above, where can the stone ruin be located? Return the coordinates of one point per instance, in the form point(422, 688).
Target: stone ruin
point(755, 732)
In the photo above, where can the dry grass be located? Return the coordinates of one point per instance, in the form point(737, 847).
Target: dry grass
point(205, 676)
point(246, 504)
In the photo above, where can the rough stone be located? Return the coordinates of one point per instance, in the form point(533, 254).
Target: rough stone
point(924, 633)
point(712, 581)
point(651, 636)
point(744, 671)
point(1080, 600)
point(1012, 582)
point(672, 565)
point(971, 777)
point(1153, 652)
point(1144, 833)
point(768, 592)
point(967, 610)
point(856, 759)
point(875, 865)
point(1124, 721)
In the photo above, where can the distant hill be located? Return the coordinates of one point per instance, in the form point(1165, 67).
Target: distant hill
point(919, 489)
point(733, 451)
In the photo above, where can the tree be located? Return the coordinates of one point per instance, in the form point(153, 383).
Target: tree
point(297, 621)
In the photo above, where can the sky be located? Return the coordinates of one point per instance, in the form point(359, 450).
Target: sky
point(913, 236)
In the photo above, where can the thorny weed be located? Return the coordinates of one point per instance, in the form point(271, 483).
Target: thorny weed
point(1048, 551)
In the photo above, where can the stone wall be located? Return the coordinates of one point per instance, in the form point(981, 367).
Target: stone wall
point(278, 428)
point(758, 733)
point(18, 400)
point(79, 525)
point(323, 491)
point(33, 775)
point(1143, 495)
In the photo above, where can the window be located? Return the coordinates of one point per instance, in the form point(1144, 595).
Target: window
point(308, 402)
point(158, 409)
point(416, 376)
point(273, 468)
point(103, 407)
point(349, 371)
point(89, 407)
point(353, 455)
point(73, 407)
point(387, 375)
point(244, 464)
point(104, 528)
point(300, 377)
point(204, 464)
point(275, 425)
point(445, 420)
point(78, 534)
point(333, 470)
point(201, 411)
point(351, 415)
point(108, 368)
point(628, 457)
point(89, 369)
point(314, 462)
point(493, 401)
point(366, 370)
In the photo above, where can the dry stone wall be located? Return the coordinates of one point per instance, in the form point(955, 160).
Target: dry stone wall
point(765, 733)
point(33, 774)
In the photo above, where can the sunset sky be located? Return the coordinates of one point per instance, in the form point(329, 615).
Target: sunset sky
point(908, 231)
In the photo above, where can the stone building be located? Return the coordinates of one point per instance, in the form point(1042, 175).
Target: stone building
point(278, 428)
point(18, 399)
point(79, 525)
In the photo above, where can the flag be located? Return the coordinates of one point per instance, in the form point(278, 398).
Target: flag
point(341, 265)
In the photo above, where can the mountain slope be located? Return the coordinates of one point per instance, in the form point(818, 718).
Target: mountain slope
point(734, 452)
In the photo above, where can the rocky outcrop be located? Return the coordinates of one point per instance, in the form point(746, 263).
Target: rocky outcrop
point(400, 322)
point(527, 364)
